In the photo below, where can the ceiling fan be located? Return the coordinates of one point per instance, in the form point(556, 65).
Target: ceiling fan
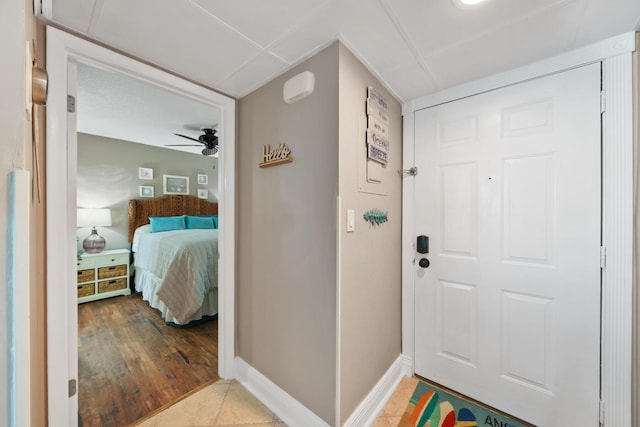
point(209, 139)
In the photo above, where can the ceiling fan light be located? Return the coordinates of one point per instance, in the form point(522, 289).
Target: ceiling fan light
point(209, 151)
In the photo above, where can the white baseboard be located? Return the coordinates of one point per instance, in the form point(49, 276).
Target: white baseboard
point(292, 412)
point(368, 410)
point(407, 365)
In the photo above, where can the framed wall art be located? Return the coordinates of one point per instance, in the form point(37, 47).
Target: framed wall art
point(174, 184)
point(203, 179)
point(145, 173)
point(146, 191)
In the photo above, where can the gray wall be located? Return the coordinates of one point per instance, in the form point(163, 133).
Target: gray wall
point(108, 178)
point(370, 282)
point(287, 236)
point(288, 324)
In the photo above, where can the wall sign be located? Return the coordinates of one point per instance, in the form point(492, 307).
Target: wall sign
point(377, 106)
point(277, 156)
point(377, 127)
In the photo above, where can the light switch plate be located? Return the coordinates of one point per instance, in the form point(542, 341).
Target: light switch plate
point(351, 220)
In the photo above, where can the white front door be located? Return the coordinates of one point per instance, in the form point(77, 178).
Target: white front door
point(509, 194)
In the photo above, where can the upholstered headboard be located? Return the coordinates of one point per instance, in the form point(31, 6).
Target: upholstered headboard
point(141, 209)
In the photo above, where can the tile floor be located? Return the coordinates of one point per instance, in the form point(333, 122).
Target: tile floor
point(227, 403)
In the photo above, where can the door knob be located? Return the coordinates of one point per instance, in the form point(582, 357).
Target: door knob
point(424, 263)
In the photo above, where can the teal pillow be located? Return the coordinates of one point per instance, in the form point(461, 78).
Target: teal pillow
point(166, 223)
point(213, 217)
point(199, 222)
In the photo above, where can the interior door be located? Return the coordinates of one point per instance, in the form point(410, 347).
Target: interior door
point(509, 194)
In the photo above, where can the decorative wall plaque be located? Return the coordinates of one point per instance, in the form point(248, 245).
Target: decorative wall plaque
point(277, 156)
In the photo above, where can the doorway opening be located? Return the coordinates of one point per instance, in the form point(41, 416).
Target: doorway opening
point(64, 53)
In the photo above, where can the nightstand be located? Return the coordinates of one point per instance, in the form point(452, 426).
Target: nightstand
point(103, 275)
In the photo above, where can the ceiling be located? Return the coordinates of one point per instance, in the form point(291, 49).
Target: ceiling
point(121, 107)
point(415, 47)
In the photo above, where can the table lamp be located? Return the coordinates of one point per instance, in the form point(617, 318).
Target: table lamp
point(94, 243)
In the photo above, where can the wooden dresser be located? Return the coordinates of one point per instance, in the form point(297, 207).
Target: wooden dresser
point(103, 275)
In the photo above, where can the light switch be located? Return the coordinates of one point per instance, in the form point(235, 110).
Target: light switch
point(351, 220)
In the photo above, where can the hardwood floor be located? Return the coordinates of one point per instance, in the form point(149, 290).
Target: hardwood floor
point(130, 363)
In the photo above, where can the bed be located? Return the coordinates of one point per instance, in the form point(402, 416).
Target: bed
point(176, 270)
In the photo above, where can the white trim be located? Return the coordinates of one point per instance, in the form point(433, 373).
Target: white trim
point(408, 239)
point(19, 288)
point(292, 412)
point(338, 309)
point(617, 301)
point(585, 55)
point(407, 366)
point(617, 205)
point(367, 411)
point(64, 49)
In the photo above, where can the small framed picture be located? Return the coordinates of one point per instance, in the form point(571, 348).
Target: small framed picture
point(173, 184)
point(203, 179)
point(146, 191)
point(203, 193)
point(145, 173)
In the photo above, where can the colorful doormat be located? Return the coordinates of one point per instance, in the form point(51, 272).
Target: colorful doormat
point(433, 407)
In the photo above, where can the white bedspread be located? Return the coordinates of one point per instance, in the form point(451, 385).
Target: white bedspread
point(186, 265)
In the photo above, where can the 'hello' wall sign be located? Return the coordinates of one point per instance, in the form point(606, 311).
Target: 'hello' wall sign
point(277, 156)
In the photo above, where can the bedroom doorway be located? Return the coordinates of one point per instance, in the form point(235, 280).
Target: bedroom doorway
point(64, 53)
point(128, 347)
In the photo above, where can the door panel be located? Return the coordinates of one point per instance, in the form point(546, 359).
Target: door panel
point(509, 193)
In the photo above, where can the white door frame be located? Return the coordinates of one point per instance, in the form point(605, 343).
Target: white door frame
point(617, 198)
point(63, 48)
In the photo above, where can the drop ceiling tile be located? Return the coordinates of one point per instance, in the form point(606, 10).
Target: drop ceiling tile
point(75, 14)
point(261, 21)
point(364, 26)
point(434, 25)
point(312, 34)
point(374, 36)
point(181, 38)
point(543, 35)
point(410, 81)
point(253, 75)
point(611, 21)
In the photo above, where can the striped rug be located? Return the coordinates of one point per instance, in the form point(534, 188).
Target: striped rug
point(431, 406)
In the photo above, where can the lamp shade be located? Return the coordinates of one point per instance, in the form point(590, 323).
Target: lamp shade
point(93, 218)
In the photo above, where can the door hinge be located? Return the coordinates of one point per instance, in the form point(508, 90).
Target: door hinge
point(603, 102)
point(71, 104)
point(603, 257)
point(72, 387)
point(601, 413)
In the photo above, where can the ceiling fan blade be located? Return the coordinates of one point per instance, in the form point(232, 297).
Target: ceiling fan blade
point(181, 145)
point(188, 137)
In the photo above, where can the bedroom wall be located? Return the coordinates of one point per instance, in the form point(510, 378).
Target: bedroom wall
point(370, 282)
point(108, 178)
point(286, 272)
